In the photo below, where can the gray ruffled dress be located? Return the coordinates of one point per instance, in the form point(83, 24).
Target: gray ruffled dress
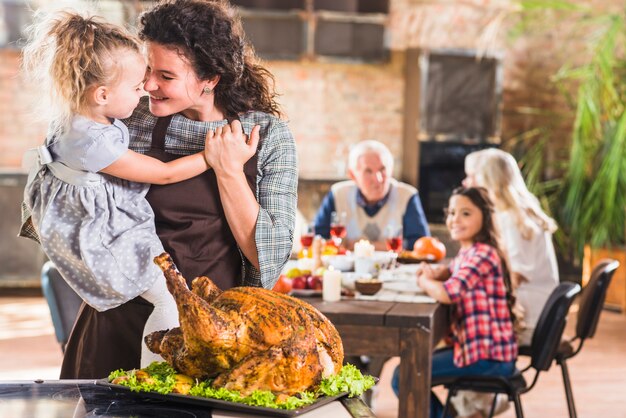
point(97, 229)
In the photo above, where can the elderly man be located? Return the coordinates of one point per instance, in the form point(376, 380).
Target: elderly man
point(373, 201)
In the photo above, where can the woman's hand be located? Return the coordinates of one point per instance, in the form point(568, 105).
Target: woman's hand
point(228, 148)
point(226, 151)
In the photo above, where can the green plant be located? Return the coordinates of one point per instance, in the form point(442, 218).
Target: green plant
point(593, 192)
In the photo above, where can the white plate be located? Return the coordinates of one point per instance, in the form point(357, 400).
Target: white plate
point(396, 275)
point(403, 287)
point(305, 292)
point(344, 262)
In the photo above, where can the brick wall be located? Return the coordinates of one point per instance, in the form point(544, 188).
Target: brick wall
point(18, 131)
point(333, 105)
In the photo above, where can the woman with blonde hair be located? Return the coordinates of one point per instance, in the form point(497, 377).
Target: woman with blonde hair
point(526, 237)
point(497, 171)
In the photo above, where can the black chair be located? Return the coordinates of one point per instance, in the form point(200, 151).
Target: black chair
point(590, 307)
point(544, 346)
point(62, 301)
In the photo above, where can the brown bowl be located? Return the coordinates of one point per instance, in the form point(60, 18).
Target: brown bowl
point(368, 287)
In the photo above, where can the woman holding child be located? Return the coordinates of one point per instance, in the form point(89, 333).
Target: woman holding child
point(233, 223)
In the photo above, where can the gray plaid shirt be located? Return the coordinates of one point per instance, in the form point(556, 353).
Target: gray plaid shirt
point(277, 179)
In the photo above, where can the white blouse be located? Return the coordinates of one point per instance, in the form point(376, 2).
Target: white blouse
point(535, 259)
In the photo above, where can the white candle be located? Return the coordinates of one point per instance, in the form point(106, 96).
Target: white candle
point(363, 248)
point(331, 285)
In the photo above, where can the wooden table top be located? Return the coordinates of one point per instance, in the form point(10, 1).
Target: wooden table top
point(375, 313)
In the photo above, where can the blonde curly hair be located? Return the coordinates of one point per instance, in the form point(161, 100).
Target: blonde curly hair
point(66, 54)
point(498, 172)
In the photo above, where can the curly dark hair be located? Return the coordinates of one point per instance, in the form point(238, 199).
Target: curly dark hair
point(210, 36)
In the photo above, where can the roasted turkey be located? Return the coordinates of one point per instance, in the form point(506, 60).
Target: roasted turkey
point(246, 338)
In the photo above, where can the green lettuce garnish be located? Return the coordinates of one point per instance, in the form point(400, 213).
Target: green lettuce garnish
point(160, 369)
point(160, 378)
point(349, 379)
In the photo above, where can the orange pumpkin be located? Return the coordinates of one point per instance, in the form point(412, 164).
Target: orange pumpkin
point(429, 247)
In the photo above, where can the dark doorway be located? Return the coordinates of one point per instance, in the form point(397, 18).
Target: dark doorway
point(442, 170)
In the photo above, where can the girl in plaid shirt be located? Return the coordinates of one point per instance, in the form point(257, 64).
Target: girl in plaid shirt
point(483, 341)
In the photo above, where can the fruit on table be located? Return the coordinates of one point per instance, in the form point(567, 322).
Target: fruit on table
point(302, 282)
point(331, 249)
point(429, 247)
point(299, 282)
point(283, 285)
point(314, 282)
point(294, 272)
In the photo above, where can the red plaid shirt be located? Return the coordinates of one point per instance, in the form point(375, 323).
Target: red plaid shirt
point(481, 326)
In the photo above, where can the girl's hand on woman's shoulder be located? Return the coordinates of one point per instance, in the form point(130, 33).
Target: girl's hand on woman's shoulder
point(227, 148)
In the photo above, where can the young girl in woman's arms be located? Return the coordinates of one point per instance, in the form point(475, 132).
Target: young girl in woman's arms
point(86, 192)
point(483, 341)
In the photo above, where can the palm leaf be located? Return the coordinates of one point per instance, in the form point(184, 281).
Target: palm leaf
point(595, 186)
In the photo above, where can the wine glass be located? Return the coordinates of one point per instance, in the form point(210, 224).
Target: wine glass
point(337, 227)
point(306, 238)
point(393, 238)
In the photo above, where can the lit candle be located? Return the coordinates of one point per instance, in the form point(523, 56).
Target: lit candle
point(331, 285)
point(363, 248)
point(363, 252)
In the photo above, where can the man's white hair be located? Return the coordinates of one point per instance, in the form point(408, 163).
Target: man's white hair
point(368, 146)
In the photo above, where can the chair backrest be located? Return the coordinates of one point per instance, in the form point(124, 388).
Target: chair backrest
point(62, 301)
point(593, 296)
point(549, 328)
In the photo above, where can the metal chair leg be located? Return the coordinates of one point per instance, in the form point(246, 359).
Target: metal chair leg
point(571, 407)
point(446, 408)
point(518, 407)
point(493, 405)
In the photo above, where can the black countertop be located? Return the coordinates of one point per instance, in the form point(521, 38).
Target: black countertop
point(83, 398)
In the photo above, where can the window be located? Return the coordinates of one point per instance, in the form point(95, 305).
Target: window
point(460, 96)
point(353, 30)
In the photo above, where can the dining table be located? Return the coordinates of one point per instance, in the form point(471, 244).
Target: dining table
point(381, 329)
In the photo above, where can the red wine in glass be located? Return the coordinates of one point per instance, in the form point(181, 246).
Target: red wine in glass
point(338, 231)
point(306, 240)
point(394, 244)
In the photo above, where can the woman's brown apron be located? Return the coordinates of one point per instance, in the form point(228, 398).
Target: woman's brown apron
point(191, 224)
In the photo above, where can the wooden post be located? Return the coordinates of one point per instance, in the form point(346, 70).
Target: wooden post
point(616, 293)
